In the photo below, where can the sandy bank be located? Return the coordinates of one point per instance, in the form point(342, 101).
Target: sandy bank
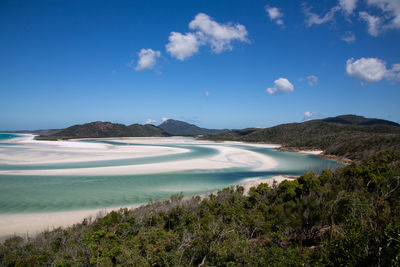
point(227, 157)
point(23, 224)
point(254, 182)
point(31, 151)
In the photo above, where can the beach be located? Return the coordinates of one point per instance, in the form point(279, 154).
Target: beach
point(195, 167)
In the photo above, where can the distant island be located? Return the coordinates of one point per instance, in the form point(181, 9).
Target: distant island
point(101, 129)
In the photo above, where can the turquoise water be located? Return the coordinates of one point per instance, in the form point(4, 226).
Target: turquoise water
point(21, 194)
point(5, 136)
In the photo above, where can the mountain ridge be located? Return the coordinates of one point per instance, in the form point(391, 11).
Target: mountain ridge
point(99, 129)
point(176, 127)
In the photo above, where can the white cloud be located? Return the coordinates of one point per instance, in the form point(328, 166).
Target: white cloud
point(182, 46)
point(150, 121)
point(380, 15)
point(312, 80)
point(219, 36)
point(373, 22)
point(275, 14)
point(307, 116)
point(312, 18)
point(282, 85)
point(349, 37)
point(147, 59)
point(348, 6)
point(372, 70)
point(164, 119)
point(207, 32)
point(394, 73)
point(367, 69)
point(390, 10)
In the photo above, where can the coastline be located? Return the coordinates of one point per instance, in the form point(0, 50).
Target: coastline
point(14, 224)
point(254, 182)
point(318, 153)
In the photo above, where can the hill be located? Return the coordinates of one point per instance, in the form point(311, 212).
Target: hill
point(359, 120)
point(175, 127)
point(349, 217)
point(106, 129)
point(349, 136)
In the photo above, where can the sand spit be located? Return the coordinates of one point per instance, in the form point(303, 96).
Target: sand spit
point(23, 224)
point(228, 156)
point(254, 182)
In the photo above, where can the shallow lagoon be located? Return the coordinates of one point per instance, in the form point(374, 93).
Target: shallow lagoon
point(24, 193)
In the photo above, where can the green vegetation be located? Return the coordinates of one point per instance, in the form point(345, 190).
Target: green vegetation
point(348, 136)
point(174, 127)
point(348, 217)
point(105, 129)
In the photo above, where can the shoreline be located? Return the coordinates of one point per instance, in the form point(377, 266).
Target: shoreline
point(14, 224)
point(318, 153)
point(306, 150)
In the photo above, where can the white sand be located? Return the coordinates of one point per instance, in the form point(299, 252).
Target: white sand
point(312, 152)
point(33, 151)
point(254, 182)
point(34, 223)
point(228, 157)
point(42, 152)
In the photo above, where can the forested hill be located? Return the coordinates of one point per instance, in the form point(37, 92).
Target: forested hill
point(349, 136)
point(107, 129)
point(175, 127)
point(349, 217)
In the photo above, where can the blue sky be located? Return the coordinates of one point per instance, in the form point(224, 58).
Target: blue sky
point(218, 64)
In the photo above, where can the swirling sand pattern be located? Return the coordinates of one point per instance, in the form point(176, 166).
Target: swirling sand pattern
point(24, 193)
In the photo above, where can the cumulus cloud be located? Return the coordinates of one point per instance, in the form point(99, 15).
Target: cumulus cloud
point(281, 85)
point(206, 31)
point(164, 119)
point(275, 14)
point(182, 46)
point(307, 116)
point(150, 121)
point(348, 6)
point(219, 36)
point(349, 37)
point(147, 59)
point(312, 80)
point(372, 70)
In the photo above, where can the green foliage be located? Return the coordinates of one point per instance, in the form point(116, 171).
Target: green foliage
point(352, 137)
point(346, 217)
point(103, 129)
